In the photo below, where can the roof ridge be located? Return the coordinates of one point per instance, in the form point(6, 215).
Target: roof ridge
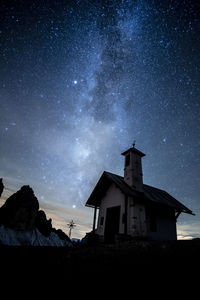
point(150, 193)
point(114, 174)
point(154, 187)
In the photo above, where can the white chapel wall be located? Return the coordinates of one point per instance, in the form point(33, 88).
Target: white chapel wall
point(113, 197)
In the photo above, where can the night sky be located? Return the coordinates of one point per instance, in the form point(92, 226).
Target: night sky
point(80, 80)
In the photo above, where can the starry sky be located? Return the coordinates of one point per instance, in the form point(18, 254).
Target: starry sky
point(80, 80)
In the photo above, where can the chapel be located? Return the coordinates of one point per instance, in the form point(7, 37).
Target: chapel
point(128, 207)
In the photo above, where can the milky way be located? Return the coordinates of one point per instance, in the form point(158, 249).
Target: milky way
point(80, 80)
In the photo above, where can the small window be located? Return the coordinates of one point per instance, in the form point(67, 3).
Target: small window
point(127, 160)
point(102, 221)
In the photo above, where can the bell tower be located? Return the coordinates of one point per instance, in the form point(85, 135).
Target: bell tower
point(133, 168)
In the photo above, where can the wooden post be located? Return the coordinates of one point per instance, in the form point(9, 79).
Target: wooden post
point(94, 219)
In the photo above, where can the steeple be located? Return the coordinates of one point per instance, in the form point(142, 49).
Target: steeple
point(133, 168)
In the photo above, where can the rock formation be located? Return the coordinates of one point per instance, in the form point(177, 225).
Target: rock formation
point(42, 224)
point(21, 212)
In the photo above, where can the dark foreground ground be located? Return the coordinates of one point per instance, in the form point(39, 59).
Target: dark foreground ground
point(129, 263)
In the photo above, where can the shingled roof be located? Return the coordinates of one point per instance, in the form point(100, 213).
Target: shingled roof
point(150, 193)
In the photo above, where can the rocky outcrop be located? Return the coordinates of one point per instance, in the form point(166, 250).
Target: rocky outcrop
point(20, 210)
point(45, 226)
point(22, 221)
point(42, 224)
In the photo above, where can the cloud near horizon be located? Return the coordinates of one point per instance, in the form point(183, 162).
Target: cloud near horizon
point(61, 215)
point(188, 230)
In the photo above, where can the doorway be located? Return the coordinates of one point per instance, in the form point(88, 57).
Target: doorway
point(112, 224)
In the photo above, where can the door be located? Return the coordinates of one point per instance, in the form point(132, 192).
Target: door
point(112, 224)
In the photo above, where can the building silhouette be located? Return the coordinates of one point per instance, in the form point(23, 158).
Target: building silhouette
point(128, 207)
